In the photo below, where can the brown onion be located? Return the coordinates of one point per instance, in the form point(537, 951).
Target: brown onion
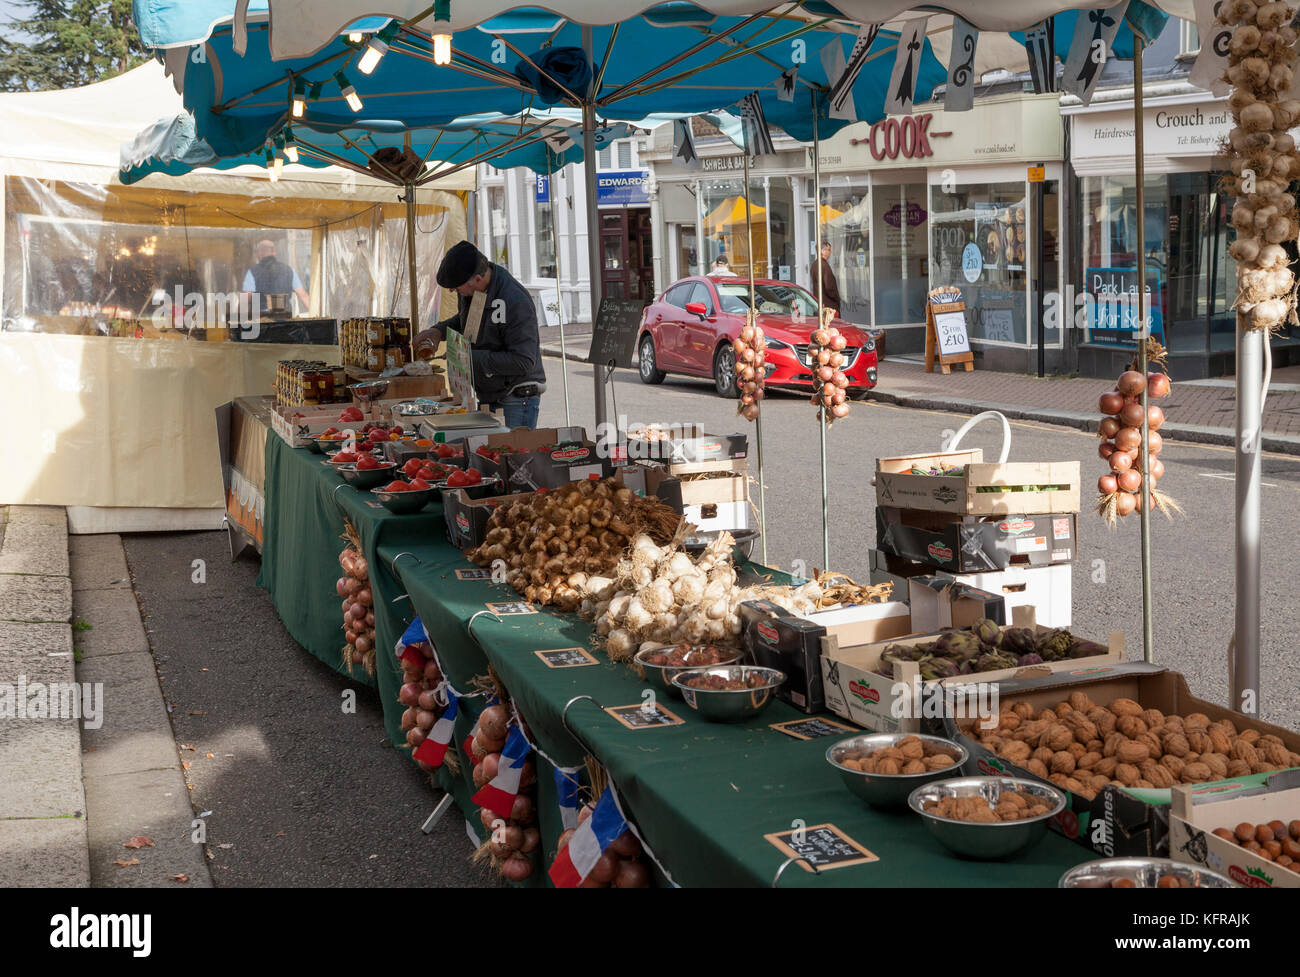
point(532, 839)
point(408, 719)
point(1130, 481)
point(1121, 461)
point(1157, 385)
point(840, 410)
point(416, 736)
point(409, 694)
point(750, 412)
point(747, 334)
point(1128, 439)
point(1108, 427)
point(632, 875)
point(838, 342)
point(825, 374)
point(494, 722)
point(1132, 415)
point(360, 568)
point(562, 842)
point(1125, 503)
point(626, 845)
point(1110, 403)
point(432, 672)
point(1155, 417)
point(1154, 443)
point(365, 598)
point(523, 810)
point(491, 766)
point(487, 817)
point(363, 643)
point(425, 719)
point(341, 586)
point(1107, 484)
point(428, 700)
point(1131, 383)
point(517, 868)
point(604, 869)
point(1105, 450)
point(1157, 469)
point(350, 636)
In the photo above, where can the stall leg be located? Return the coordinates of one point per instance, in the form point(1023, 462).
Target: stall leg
point(595, 264)
point(758, 421)
point(432, 820)
point(1148, 644)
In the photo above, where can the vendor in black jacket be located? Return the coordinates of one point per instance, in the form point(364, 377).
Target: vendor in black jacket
point(502, 329)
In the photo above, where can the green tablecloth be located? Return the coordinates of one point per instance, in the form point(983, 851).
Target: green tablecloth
point(702, 794)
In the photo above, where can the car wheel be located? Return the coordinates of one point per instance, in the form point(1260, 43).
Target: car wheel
point(650, 373)
point(724, 371)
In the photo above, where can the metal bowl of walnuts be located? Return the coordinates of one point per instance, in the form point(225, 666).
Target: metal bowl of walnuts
point(987, 817)
point(1142, 873)
point(872, 765)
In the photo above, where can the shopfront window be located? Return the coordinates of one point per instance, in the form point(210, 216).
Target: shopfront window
point(723, 203)
point(498, 225)
point(846, 224)
point(780, 228)
point(544, 239)
point(979, 238)
point(899, 257)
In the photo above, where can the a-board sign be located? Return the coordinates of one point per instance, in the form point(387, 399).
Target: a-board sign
point(947, 340)
point(460, 370)
point(566, 657)
point(824, 845)
point(641, 716)
point(813, 728)
point(613, 337)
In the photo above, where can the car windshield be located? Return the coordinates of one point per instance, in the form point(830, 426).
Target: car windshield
point(788, 300)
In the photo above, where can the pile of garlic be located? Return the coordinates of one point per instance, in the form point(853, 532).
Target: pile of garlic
point(1261, 63)
point(661, 595)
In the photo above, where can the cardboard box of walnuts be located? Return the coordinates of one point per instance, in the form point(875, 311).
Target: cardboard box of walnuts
point(1155, 725)
point(1198, 812)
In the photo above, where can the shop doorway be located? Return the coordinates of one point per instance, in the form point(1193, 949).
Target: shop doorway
point(628, 253)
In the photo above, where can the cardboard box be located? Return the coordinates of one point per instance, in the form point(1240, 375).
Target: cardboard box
point(775, 638)
point(1118, 821)
point(887, 568)
point(408, 388)
point(572, 458)
point(1196, 811)
point(940, 602)
point(688, 445)
point(1046, 589)
point(856, 691)
point(467, 518)
point(982, 489)
point(968, 545)
point(296, 425)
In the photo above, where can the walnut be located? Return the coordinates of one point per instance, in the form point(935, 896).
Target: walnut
point(1023, 709)
point(888, 753)
point(1006, 811)
point(1008, 722)
point(1087, 761)
point(1158, 775)
point(1084, 728)
point(1126, 707)
point(1106, 724)
point(1097, 782)
point(1176, 744)
point(1063, 709)
point(1219, 741)
point(911, 748)
point(1132, 752)
point(941, 760)
point(1015, 752)
point(1080, 701)
point(1043, 754)
point(1143, 782)
point(1251, 736)
point(1154, 718)
point(1270, 738)
point(1062, 762)
point(1127, 774)
point(1197, 720)
point(888, 766)
point(1173, 724)
point(1238, 768)
point(1032, 730)
point(915, 766)
point(1112, 744)
point(1174, 764)
point(1218, 764)
point(1076, 750)
point(1276, 754)
point(1241, 750)
point(1262, 767)
point(1058, 779)
point(1196, 773)
point(1072, 785)
point(1106, 766)
point(1199, 740)
point(1131, 726)
point(1037, 768)
point(1086, 792)
point(1058, 737)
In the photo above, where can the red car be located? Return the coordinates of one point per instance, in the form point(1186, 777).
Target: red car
point(690, 327)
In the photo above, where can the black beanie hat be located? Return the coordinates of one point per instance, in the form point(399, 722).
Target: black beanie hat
point(458, 265)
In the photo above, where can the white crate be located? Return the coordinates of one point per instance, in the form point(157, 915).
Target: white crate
point(1046, 589)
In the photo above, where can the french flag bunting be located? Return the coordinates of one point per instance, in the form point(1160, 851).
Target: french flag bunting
point(568, 788)
point(406, 648)
point(498, 795)
point(434, 748)
point(588, 843)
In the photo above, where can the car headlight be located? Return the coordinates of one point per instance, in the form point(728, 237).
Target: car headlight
point(869, 345)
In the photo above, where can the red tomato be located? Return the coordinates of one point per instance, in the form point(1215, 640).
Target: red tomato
point(446, 451)
point(396, 486)
point(412, 467)
point(458, 478)
point(344, 456)
point(329, 430)
point(474, 475)
point(367, 463)
point(419, 483)
point(364, 446)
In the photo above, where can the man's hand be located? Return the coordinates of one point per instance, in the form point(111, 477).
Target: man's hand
point(428, 340)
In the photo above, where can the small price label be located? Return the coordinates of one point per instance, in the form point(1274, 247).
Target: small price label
point(476, 574)
point(640, 717)
point(566, 657)
point(824, 845)
point(811, 729)
point(506, 608)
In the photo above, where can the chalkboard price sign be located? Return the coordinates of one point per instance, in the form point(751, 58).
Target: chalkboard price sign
point(565, 657)
point(639, 717)
point(511, 607)
point(613, 337)
point(476, 574)
point(824, 845)
point(811, 729)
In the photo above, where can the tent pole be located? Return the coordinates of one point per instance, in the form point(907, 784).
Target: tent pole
point(594, 262)
point(753, 313)
point(559, 296)
point(817, 250)
point(1148, 645)
point(412, 286)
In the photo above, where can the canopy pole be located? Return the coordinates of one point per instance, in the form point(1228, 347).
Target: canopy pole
point(753, 312)
point(1148, 645)
point(821, 411)
point(594, 263)
point(413, 287)
point(559, 297)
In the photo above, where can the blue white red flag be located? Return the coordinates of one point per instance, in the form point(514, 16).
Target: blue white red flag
point(498, 795)
point(588, 843)
point(568, 789)
point(408, 645)
point(434, 748)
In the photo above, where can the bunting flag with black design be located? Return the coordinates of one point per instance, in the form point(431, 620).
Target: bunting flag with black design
point(753, 125)
point(785, 84)
point(1094, 33)
point(960, 93)
point(1212, 61)
point(1040, 47)
point(907, 66)
point(684, 145)
point(833, 65)
point(560, 143)
point(842, 87)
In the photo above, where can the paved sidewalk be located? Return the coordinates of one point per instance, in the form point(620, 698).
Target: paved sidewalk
point(42, 802)
point(1197, 410)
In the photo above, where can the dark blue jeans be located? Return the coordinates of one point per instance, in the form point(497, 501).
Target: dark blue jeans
point(520, 411)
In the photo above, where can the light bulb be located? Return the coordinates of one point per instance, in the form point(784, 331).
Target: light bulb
point(299, 104)
point(349, 93)
point(277, 168)
point(291, 150)
point(442, 49)
point(355, 37)
point(373, 54)
point(271, 168)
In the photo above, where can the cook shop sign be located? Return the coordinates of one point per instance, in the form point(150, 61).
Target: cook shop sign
point(908, 137)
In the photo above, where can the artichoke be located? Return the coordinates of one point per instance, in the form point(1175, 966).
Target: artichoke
point(959, 644)
point(1018, 641)
point(939, 667)
point(1087, 649)
point(1033, 658)
point(1055, 645)
point(986, 631)
point(996, 662)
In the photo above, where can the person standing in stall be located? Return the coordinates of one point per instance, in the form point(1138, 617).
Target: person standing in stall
point(497, 315)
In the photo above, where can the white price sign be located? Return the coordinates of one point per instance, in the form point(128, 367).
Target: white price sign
point(460, 370)
point(950, 328)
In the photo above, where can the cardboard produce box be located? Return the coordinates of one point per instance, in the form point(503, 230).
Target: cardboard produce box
point(1119, 821)
point(856, 691)
point(467, 517)
point(525, 465)
point(973, 545)
point(982, 489)
point(687, 444)
point(940, 602)
point(1197, 811)
point(1046, 589)
point(717, 501)
point(775, 638)
point(890, 569)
